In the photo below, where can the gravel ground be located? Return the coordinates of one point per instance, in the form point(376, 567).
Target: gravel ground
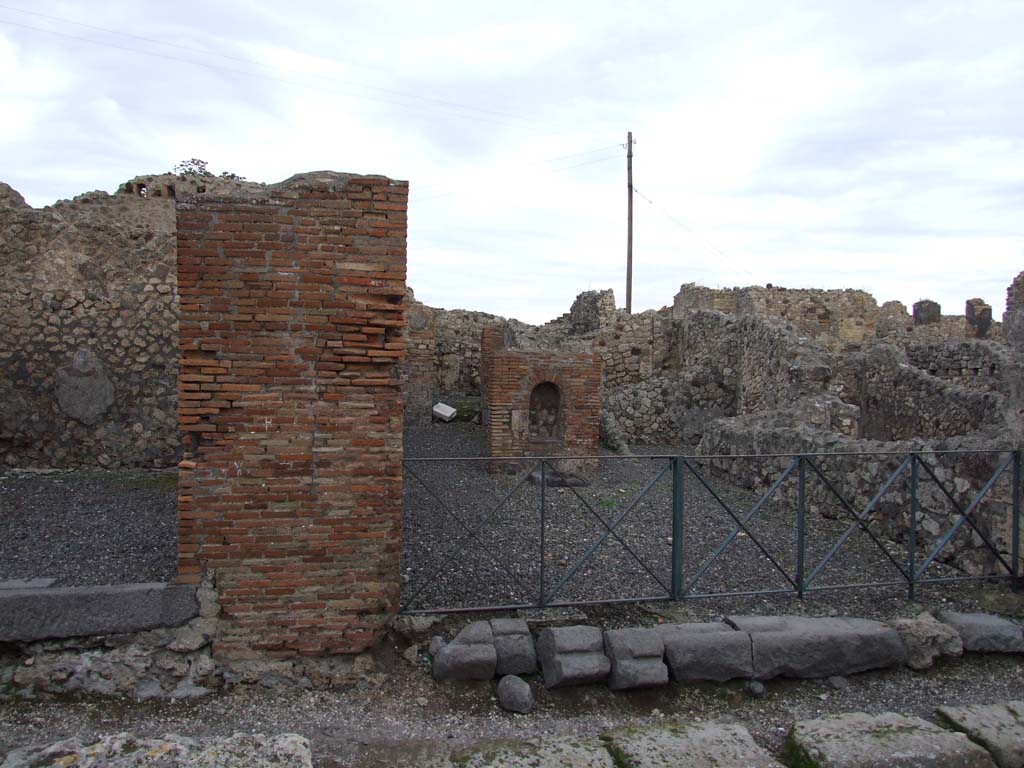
point(113, 527)
point(409, 718)
point(88, 527)
point(444, 566)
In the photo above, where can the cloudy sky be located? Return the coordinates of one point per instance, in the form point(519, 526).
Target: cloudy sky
point(874, 145)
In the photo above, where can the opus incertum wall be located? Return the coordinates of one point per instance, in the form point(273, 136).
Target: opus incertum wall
point(290, 410)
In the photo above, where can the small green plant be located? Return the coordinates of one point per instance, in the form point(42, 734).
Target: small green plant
point(197, 167)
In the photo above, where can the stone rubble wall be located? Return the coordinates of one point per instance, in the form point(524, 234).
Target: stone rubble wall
point(859, 477)
point(89, 319)
point(975, 364)
point(837, 317)
point(900, 402)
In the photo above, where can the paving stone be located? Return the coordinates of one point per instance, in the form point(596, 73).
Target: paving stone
point(687, 745)
point(514, 645)
point(710, 651)
point(985, 633)
point(514, 694)
point(999, 728)
point(859, 740)
point(470, 656)
point(636, 654)
point(926, 639)
point(799, 646)
point(572, 656)
point(563, 752)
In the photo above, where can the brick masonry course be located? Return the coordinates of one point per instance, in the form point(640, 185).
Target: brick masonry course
point(290, 409)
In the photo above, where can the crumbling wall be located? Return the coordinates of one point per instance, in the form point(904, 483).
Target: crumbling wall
point(859, 474)
point(900, 402)
point(975, 364)
point(290, 403)
point(88, 314)
point(836, 317)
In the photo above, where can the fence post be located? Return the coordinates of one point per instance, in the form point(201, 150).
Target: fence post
point(543, 521)
point(678, 501)
point(1015, 546)
point(912, 543)
point(800, 513)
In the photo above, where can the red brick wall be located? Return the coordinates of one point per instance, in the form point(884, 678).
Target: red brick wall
point(508, 377)
point(290, 410)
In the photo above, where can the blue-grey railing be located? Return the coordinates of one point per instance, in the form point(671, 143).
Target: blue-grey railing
point(684, 469)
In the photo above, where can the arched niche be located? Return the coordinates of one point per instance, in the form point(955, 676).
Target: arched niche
point(546, 412)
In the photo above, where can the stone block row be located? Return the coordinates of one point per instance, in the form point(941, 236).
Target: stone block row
point(740, 647)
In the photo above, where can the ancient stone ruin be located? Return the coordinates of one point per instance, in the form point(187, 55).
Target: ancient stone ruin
point(537, 403)
point(258, 333)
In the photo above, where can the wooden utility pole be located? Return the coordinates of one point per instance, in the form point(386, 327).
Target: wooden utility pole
point(629, 223)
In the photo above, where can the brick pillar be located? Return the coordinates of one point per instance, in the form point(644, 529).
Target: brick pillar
point(290, 495)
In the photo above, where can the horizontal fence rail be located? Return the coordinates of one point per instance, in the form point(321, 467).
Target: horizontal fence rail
point(489, 534)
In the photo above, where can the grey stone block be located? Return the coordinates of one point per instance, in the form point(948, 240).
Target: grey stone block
point(514, 694)
point(985, 633)
point(470, 656)
point(713, 651)
point(636, 658)
point(514, 645)
point(999, 728)
point(465, 662)
point(572, 656)
point(688, 745)
point(39, 614)
point(858, 740)
point(798, 646)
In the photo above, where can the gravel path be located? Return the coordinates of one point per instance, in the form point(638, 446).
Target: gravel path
point(464, 549)
point(88, 527)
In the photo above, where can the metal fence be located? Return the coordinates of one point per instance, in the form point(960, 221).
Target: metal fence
point(500, 534)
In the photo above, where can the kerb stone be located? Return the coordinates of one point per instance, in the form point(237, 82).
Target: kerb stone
point(514, 645)
point(470, 656)
point(636, 658)
point(985, 633)
point(711, 651)
point(797, 646)
point(572, 656)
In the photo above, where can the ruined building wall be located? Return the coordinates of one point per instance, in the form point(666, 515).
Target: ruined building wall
point(89, 325)
point(290, 402)
point(88, 318)
point(901, 402)
point(837, 317)
point(976, 364)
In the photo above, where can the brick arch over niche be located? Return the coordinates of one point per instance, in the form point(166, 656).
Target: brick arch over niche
point(511, 376)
